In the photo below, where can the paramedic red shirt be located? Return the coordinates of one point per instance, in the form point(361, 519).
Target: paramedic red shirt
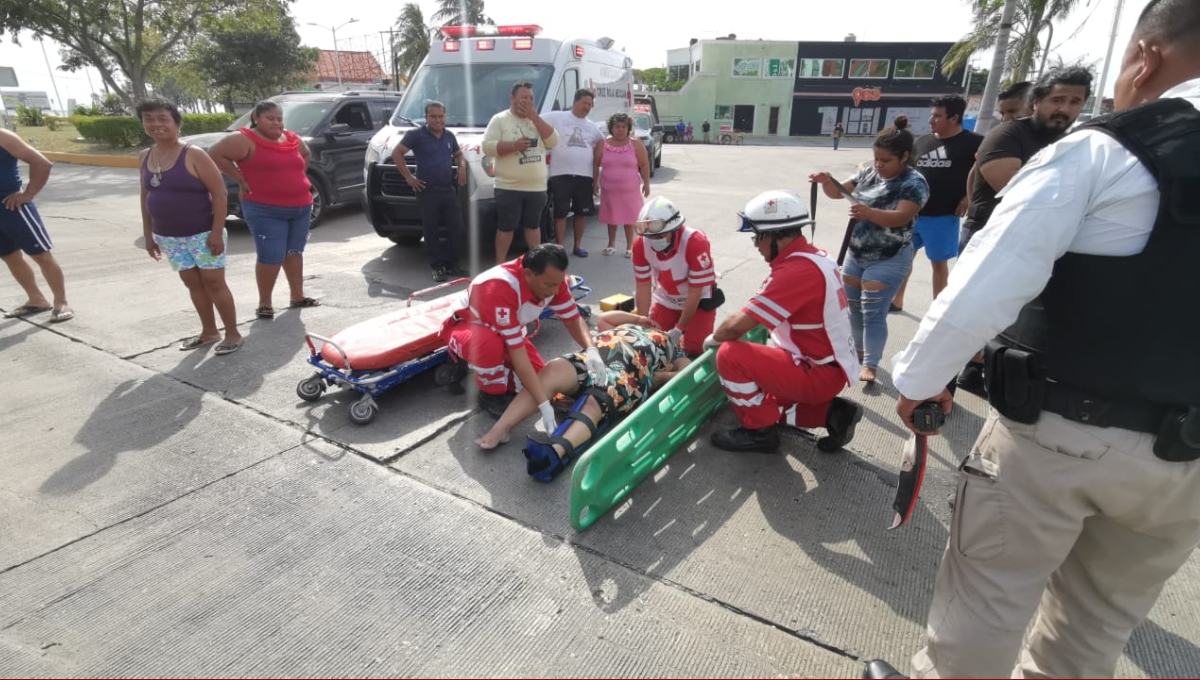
point(500, 299)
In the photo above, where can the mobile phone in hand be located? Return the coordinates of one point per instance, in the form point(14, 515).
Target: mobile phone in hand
point(533, 142)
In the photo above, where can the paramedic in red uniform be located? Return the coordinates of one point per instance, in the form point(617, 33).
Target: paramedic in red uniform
point(795, 378)
point(490, 333)
point(673, 268)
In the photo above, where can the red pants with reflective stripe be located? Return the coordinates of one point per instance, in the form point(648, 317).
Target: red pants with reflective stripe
point(484, 350)
point(764, 383)
point(699, 328)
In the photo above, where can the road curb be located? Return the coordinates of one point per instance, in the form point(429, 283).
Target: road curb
point(88, 159)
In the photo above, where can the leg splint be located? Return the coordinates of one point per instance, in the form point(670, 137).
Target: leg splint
point(642, 442)
point(543, 462)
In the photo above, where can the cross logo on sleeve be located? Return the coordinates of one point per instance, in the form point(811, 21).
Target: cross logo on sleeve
point(503, 316)
point(704, 260)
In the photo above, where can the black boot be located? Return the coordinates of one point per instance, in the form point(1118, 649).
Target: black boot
point(765, 440)
point(881, 669)
point(840, 420)
point(495, 404)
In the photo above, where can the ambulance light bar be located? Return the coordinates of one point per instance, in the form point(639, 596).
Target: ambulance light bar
point(460, 32)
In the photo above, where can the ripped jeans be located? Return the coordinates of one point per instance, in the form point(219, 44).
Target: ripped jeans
point(869, 301)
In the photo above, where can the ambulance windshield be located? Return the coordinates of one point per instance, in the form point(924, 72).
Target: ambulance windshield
point(472, 93)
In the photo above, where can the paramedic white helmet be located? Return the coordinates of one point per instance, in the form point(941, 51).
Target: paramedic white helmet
point(775, 210)
point(658, 216)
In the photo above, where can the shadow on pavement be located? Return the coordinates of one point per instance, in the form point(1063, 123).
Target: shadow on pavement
point(1161, 653)
point(136, 416)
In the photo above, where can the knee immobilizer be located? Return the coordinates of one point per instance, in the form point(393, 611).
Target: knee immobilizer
point(544, 463)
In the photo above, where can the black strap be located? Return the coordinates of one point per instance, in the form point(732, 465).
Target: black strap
point(845, 242)
point(812, 209)
point(568, 447)
point(1084, 408)
point(582, 418)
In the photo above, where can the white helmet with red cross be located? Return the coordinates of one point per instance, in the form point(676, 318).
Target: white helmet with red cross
point(775, 210)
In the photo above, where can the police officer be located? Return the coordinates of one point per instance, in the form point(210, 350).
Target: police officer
point(1081, 497)
point(811, 359)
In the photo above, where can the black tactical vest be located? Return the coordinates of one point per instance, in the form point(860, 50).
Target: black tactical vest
point(1128, 328)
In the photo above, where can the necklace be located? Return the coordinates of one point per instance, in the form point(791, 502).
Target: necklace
point(156, 175)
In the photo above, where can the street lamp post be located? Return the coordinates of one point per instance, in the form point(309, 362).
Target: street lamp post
point(337, 56)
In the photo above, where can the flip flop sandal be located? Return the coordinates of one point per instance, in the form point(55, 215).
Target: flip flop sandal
point(60, 315)
point(629, 253)
point(194, 342)
point(580, 252)
point(306, 302)
point(26, 310)
point(265, 312)
point(609, 251)
point(227, 347)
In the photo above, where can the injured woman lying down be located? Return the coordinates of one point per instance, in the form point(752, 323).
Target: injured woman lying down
point(638, 357)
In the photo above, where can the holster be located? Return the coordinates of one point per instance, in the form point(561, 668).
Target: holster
point(1016, 382)
point(1178, 439)
point(708, 304)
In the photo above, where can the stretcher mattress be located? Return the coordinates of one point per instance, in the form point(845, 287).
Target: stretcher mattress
point(391, 339)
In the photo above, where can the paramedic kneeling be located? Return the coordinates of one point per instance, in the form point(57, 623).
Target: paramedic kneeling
point(638, 358)
point(811, 357)
point(490, 333)
point(1081, 496)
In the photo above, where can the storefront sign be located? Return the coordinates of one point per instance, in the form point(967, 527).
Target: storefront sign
point(863, 94)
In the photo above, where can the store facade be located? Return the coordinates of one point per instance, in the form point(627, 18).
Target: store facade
point(866, 85)
point(774, 88)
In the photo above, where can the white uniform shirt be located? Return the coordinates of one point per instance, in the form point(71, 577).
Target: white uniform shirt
point(577, 139)
point(1085, 194)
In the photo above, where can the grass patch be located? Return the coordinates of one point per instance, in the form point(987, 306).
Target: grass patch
point(66, 140)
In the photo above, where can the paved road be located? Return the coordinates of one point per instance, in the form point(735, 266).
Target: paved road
point(168, 513)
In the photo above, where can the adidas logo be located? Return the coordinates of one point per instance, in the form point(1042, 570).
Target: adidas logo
point(935, 159)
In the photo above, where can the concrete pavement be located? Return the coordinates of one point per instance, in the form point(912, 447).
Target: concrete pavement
point(171, 513)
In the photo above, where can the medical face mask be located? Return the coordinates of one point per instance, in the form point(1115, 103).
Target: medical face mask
point(660, 244)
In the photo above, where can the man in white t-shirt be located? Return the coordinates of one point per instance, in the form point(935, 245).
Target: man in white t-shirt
point(571, 167)
point(517, 140)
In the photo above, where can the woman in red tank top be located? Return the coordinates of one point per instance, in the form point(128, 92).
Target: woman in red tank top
point(269, 165)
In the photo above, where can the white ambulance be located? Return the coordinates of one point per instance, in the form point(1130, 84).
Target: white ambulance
point(472, 72)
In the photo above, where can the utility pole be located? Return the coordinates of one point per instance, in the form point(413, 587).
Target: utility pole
point(53, 82)
point(1112, 41)
point(987, 107)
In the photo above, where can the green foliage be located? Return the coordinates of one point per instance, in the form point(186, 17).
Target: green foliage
point(251, 53)
point(1030, 22)
point(29, 117)
point(460, 13)
point(657, 79)
point(54, 123)
point(112, 105)
point(411, 41)
point(126, 131)
point(93, 110)
point(123, 38)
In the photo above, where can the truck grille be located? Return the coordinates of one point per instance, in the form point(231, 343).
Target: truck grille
point(392, 184)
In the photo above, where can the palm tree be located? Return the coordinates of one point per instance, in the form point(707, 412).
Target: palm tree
point(411, 41)
point(1030, 19)
point(461, 13)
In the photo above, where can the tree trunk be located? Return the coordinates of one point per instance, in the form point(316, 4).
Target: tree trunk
point(990, 91)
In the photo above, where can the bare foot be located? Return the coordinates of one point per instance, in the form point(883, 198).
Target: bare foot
point(866, 374)
point(491, 440)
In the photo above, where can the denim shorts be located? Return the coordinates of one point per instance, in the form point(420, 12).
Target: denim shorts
point(190, 252)
point(277, 231)
point(938, 234)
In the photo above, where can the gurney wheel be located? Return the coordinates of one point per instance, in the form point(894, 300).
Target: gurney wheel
point(310, 389)
point(363, 411)
point(449, 373)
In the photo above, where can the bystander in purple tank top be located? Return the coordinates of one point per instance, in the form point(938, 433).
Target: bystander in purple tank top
point(180, 204)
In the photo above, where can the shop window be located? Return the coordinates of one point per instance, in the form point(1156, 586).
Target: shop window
point(821, 68)
point(869, 68)
point(723, 112)
point(915, 68)
point(746, 68)
point(781, 68)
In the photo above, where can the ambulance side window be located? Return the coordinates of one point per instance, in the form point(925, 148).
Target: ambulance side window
point(566, 90)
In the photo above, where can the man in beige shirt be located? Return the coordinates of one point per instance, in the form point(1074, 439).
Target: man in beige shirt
point(517, 139)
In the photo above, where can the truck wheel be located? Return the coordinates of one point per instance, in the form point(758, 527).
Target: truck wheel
point(658, 158)
point(320, 202)
point(669, 138)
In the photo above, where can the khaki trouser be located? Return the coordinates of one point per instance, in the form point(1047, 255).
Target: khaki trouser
point(1081, 524)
